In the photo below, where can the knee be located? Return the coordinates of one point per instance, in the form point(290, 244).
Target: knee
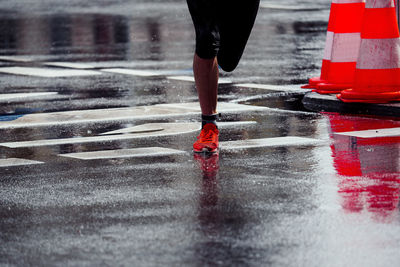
point(207, 44)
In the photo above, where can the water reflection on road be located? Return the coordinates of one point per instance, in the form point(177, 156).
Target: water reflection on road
point(368, 168)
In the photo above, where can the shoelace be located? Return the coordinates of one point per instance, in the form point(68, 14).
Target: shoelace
point(208, 136)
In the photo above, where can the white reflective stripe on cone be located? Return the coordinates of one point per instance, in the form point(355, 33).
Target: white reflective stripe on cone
point(328, 45)
point(347, 1)
point(379, 54)
point(346, 47)
point(379, 4)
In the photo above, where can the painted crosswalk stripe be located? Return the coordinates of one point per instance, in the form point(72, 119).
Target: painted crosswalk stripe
point(71, 65)
point(150, 64)
point(148, 73)
point(191, 79)
point(125, 153)
point(120, 114)
point(268, 142)
point(9, 162)
point(235, 124)
point(148, 130)
point(160, 128)
point(16, 58)
point(9, 98)
point(290, 8)
point(47, 72)
point(270, 87)
point(132, 133)
point(388, 132)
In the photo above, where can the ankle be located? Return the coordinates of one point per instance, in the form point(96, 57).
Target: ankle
point(209, 119)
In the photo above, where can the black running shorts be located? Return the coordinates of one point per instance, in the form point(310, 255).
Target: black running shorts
point(223, 28)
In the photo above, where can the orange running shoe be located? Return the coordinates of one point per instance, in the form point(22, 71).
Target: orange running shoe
point(207, 141)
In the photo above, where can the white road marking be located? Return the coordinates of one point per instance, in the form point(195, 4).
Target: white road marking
point(288, 7)
point(152, 128)
point(388, 132)
point(71, 65)
point(17, 162)
point(16, 58)
point(148, 130)
point(8, 98)
point(143, 128)
point(270, 87)
point(47, 72)
point(136, 64)
point(191, 79)
point(125, 153)
point(120, 114)
point(233, 124)
point(137, 132)
point(148, 73)
point(268, 142)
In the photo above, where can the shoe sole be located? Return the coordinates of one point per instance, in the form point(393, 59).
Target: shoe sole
point(205, 151)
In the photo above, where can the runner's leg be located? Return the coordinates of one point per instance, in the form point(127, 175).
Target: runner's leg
point(206, 77)
point(205, 66)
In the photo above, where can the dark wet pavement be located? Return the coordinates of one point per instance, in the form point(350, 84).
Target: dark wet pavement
point(333, 202)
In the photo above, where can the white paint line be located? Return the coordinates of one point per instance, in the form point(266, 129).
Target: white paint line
point(46, 72)
point(191, 79)
point(388, 132)
point(268, 142)
point(288, 7)
point(223, 107)
point(169, 129)
point(144, 73)
point(17, 162)
point(148, 130)
point(8, 98)
point(136, 64)
point(233, 124)
point(120, 114)
point(152, 128)
point(159, 129)
point(16, 58)
point(144, 128)
point(125, 153)
point(70, 65)
point(270, 87)
point(148, 73)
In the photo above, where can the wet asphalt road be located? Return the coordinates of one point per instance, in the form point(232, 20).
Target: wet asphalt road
point(332, 202)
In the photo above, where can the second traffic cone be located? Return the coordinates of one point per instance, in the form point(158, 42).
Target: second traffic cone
point(377, 78)
point(345, 46)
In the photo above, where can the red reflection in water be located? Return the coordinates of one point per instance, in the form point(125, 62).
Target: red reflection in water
point(209, 164)
point(368, 167)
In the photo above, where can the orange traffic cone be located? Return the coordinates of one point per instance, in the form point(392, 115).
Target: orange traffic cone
point(312, 82)
point(345, 47)
point(377, 78)
point(341, 48)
